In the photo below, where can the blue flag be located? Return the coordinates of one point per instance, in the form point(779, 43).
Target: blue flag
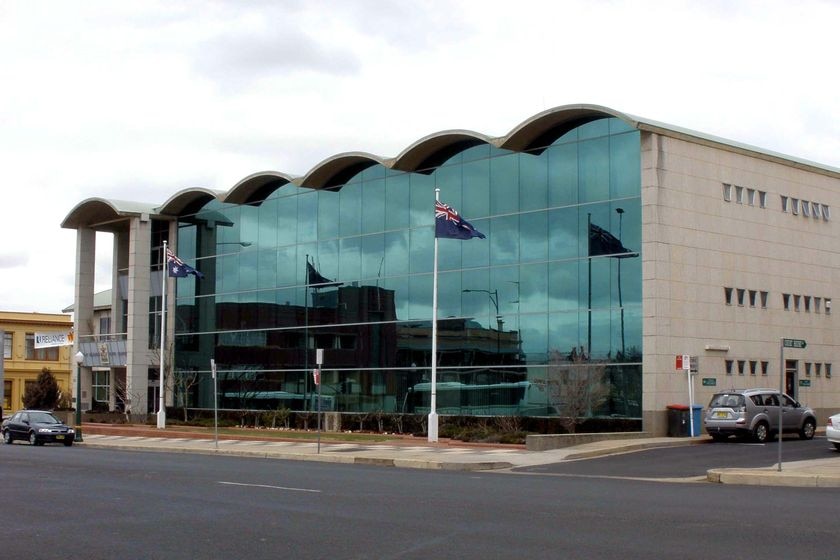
point(177, 267)
point(449, 224)
point(602, 242)
point(316, 280)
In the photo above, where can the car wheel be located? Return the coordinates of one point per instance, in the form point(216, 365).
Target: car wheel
point(761, 432)
point(68, 442)
point(837, 446)
point(719, 437)
point(33, 439)
point(808, 429)
point(7, 437)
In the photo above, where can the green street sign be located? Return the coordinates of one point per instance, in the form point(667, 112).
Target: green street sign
point(709, 382)
point(804, 382)
point(793, 343)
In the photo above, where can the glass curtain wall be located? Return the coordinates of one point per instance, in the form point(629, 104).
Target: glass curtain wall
point(542, 316)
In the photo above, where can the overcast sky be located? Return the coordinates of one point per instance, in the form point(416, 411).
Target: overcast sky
point(138, 100)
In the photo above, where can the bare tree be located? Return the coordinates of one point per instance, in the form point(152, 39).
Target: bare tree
point(167, 372)
point(575, 387)
point(281, 413)
point(361, 417)
point(128, 397)
point(183, 381)
point(399, 421)
point(241, 385)
point(509, 424)
point(380, 416)
point(305, 417)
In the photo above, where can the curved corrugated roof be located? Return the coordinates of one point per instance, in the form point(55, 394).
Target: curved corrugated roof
point(338, 169)
point(188, 201)
point(544, 128)
point(422, 156)
point(104, 214)
point(256, 187)
point(429, 152)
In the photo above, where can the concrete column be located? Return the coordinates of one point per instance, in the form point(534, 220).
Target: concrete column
point(118, 326)
point(120, 262)
point(138, 354)
point(654, 418)
point(83, 305)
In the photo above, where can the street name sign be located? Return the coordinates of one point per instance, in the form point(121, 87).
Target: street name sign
point(793, 343)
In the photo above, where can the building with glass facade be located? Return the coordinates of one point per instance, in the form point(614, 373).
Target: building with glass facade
point(613, 243)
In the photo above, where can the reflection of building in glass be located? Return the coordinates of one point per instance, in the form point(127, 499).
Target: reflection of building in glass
point(607, 240)
point(263, 345)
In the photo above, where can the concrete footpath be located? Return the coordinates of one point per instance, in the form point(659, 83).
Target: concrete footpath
point(444, 455)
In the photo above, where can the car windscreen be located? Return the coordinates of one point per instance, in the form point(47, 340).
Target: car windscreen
point(727, 400)
point(43, 418)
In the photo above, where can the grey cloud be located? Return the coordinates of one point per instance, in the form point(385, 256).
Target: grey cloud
point(13, 260)
point(295, 37)
point(408, 25)
point(402, 25)
point(242, 57)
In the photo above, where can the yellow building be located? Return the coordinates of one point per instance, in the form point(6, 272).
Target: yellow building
point(22, 362)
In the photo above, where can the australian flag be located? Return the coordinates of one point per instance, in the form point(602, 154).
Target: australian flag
point(602, 242)
point(177, 267)
point(449, 224)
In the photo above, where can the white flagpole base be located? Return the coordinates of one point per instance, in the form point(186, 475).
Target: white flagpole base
point(161, 419)
point(433, 427)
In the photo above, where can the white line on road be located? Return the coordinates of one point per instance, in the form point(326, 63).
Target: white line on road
point(269, 486)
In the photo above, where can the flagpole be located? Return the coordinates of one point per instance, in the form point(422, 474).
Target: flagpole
point(433, 417)
point(161, 415)
point(306, 339)
point(589, 284)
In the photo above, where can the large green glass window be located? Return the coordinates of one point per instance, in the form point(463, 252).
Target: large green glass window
point(541, 293)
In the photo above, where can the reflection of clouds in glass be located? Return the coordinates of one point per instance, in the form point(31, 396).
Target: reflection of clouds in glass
point(372, 256)
point(396, 253)
point(449, 294)
point(563, 236)
point(534, 335)
point(349, 259)
point(504, 240)
point(420, 297)
point(377, 230)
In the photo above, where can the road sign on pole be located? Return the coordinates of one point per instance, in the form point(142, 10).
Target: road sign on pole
point(319, 359)
point(793, 343)
point(215, 402)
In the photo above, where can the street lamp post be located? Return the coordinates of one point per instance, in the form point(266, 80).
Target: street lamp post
point(518, 318)
point(620, 212)
point(78, 358)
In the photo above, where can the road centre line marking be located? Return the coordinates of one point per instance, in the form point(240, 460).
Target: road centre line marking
point(269, 486)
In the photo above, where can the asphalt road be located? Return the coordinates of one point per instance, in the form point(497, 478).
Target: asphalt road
point(693, 460)
point(72, 503)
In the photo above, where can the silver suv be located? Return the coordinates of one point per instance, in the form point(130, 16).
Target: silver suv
point(755, 413)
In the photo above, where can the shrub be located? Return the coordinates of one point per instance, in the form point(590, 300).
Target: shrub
point(44, 393)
